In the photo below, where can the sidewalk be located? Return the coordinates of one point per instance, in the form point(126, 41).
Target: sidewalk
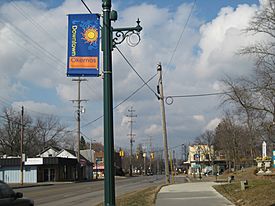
point(191, 194)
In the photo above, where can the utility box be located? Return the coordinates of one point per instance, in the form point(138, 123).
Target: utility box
point(244, 185)
point(230, 178)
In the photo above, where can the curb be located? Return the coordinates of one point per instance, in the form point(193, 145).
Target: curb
point(28, 186)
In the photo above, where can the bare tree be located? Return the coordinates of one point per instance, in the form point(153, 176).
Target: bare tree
point(208, 140)
point(231, 139)
point(47, 131)
point(10, 132)
point(253, 97)
point(50, 130)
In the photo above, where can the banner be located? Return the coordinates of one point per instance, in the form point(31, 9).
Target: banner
point(83, 45)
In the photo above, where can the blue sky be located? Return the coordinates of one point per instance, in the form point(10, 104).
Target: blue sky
point(30, 30)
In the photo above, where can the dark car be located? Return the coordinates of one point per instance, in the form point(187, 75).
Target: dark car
point(10, 198)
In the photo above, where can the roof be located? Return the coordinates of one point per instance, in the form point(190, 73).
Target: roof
point(57, 149)
point(74, 153)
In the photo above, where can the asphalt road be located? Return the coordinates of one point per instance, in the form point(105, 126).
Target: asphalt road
point(85, 193)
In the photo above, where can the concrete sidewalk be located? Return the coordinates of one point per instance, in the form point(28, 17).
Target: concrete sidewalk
point(191, 194)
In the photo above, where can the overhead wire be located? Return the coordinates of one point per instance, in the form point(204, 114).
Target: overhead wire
point(35, 45)
point(34, 23)
point(131, 66)
point(183, 30)
point(31, 126)
point(198, 95)
point(23, 35)
point(86, 6)
point(123, 101)
point(133, 93)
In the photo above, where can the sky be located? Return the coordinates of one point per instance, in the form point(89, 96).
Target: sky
point(197, 43)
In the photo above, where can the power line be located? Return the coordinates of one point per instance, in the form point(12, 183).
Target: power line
point(34, 23)
point(136, 71)
point(86, 6)
point(170, 99)
point(184, 27)
point(198, 95)
point(126, 99)
point(7, 102)
point(144, 82)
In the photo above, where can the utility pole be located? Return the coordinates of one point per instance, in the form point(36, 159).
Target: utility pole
point(199, 151)
point(174, 162)
point(164, 131)
point(144, 160)
point(150, 145)
point(78, 112)
point(21, 146)
point(131, 115)
point(183, 152)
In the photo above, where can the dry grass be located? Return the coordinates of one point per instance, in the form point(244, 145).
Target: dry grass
point(260, 191)
point(144, 197)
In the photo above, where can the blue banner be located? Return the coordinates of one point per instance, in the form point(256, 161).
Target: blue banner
point(83, 45)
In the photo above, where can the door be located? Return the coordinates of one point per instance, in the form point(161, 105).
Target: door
point(46, 175)
point(52, 174)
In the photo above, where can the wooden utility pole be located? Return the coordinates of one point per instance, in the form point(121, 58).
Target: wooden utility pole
point(131, 115)
point(151, 152)
point(21, 146)
point(164, 131)
point(78, 112)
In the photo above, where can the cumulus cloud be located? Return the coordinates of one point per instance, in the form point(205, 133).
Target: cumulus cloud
point(33, 57)
point(212, 124)
point(39, 107)
point(199, 117)
point(153, 129)
point(220, 41)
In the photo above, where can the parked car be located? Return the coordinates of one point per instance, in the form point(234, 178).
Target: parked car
point(9, 198)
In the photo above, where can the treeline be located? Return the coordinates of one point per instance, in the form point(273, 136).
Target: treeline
point(38, 133)
point(249, 101)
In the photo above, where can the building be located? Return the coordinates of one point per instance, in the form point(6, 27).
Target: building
point(99, 164)
point(204, 160)
point(52, 164)
point(200, 159)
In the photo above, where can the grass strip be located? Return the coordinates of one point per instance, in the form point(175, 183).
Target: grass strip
point(260, 192)
point(144, 197)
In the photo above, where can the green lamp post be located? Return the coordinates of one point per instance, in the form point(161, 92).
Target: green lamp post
point(108, 42)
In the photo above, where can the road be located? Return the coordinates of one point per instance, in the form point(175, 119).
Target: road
point(85, 193)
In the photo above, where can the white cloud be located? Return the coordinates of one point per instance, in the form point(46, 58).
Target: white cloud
point(220, 41)
point(38, 107)
point(199, 117)
point(153, 129)
point(200, 60)
point(212, 124)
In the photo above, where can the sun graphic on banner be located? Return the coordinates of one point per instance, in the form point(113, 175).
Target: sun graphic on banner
point(90, 35)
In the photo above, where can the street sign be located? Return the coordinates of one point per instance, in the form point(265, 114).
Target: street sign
point(83, 45)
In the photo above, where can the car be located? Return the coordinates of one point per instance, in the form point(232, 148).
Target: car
point(9, 198)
